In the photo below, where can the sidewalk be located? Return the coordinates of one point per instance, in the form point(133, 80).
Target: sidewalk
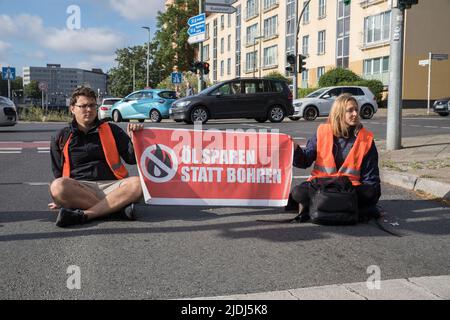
point(422, 288)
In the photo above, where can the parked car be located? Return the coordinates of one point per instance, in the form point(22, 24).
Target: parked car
point(153, 104)
point(261, 99)
point(319, 102)
point(442, 106)
point(8, 112)
point(104, 110)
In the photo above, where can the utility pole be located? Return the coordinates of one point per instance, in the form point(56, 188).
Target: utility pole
point(200, 48)
point(429, 82)
point(297, 29)
point(394, 114)
point(148, 53)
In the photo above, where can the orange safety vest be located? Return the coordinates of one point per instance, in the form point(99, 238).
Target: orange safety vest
point(109, 148)
point(325, 165)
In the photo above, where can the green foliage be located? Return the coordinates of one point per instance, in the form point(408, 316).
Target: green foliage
point(276, 75)
point(171, 37)
point(39, 115)
point(375, 86)
point(336, 76)
point(303, 92)
point(31, 90)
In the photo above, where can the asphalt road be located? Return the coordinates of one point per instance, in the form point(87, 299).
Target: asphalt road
point(179, 252)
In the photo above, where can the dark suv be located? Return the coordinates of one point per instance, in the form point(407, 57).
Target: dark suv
point(261, 99)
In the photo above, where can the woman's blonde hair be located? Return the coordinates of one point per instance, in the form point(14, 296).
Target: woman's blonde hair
point(337, 116)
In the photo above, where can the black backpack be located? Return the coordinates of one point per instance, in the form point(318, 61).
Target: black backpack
point(333, 201)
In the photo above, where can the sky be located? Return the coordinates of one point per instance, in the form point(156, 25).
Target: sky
point(76, 33)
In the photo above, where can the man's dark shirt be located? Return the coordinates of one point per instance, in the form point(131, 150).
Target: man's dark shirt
point(87, 159)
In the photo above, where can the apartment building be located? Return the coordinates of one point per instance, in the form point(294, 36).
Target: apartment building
point(63, 81)
point(255, 40)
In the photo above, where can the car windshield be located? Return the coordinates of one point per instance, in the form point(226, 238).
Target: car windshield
point(316, 93)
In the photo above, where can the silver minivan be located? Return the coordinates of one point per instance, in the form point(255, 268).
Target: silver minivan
point(8, 112)
point(319, 102)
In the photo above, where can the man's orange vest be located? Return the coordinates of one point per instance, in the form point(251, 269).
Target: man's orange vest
point(109, 148)
point(325, 165)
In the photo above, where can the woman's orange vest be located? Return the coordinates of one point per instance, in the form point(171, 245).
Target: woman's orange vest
point(109, 148)
point(325, 165)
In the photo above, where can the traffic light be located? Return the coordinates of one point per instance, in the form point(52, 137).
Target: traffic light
point(193, 67)
point(290, 58)
point(301, 63)
point(347, 2)
point(205, 67)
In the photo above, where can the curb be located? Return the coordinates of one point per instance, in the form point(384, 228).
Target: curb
point(415, 183)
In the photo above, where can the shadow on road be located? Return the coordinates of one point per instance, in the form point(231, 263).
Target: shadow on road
point(406, 217)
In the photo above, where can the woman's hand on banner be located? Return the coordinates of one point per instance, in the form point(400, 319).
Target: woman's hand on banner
point(132, 127)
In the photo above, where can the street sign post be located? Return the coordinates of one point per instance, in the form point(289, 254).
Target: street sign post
point(177, 77)
point(9, 73)
point(43, 86)
point(221, 2)
point(209, 7)
point(197, 29)
point(431, 57)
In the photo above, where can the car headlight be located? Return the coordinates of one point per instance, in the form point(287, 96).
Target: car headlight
point(298, 104)
point(183, 103)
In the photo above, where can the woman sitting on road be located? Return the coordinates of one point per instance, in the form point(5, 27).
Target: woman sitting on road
point(341, 147)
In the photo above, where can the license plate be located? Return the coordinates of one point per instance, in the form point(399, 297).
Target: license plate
point(170, 111)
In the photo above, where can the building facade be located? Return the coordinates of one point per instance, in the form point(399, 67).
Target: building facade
point(62, 82)
point(255, 40)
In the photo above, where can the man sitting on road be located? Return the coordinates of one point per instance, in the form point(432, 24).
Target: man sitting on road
point(91, 181)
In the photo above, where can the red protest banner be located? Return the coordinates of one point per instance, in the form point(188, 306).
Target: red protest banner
point(212, 167)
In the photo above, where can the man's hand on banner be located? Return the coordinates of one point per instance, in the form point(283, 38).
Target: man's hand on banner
point(132, 127)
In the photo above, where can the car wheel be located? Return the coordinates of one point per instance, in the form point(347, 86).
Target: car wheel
point(155, 116)
point(199, 114)
point(294, 118)
point(310, 113)
point(117, 117)
point(261, 120)
point(276, 114)
point(366, 111)
point(141, 120)
point(443, 114)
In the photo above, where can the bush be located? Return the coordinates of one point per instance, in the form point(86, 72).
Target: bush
point(375, 86)
point(276, 75)
point(303, 92)
point(336, 76)
point(38, 114)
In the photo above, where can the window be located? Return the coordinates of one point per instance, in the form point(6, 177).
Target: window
point(321, 42)
point(236, 87)
point(238, 41)
point(305, 76)
point(222, 22)
point(270, 56)
point(343, 35)
point(322, 8)
point(376, 66)
point(221, 68)
point(320, 72)
point(206, 52)
point(270, 26)
point(250, 63)
point(224, 90)
point(254, 86)
point(306, 13)
point(229, 66)
point(229, 43)
point(377, 28)
point(207, 31)
point(252, 8)
point(251, 33)
point(290, 25)
point(222, 44)
point(305, 45)
point(269, 3)
point(353, 91)
point(229, 20)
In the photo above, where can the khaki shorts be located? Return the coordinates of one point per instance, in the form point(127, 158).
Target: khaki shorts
point(101, 188)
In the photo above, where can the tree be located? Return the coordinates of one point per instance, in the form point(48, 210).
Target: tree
point(120, 78)
point(32, 90)
point(171, 38)
point(276, 75)
point(335, 76)
point(16, 84)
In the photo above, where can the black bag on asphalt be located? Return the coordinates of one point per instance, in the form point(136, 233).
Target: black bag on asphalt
point(333, 201)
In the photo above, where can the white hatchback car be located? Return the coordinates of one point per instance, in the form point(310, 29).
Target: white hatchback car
point(8, 112)
point(104, 111)
point(319, 102)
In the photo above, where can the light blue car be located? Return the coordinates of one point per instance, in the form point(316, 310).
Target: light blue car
point(153, 104)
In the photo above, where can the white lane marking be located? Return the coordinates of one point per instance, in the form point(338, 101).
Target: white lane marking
point(10, 149)
point(43, 151)
point(37, 183)
point(9, 152)
point(435, 127)
point(299, 138)
point(300, 177)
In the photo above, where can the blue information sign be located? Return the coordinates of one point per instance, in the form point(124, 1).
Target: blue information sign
point(9, 73)
point(177, 77)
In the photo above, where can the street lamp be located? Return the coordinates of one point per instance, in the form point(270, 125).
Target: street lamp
point(254, 55)
point(148, 52)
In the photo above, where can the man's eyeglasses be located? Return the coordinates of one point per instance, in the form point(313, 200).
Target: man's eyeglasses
point(85, 106)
